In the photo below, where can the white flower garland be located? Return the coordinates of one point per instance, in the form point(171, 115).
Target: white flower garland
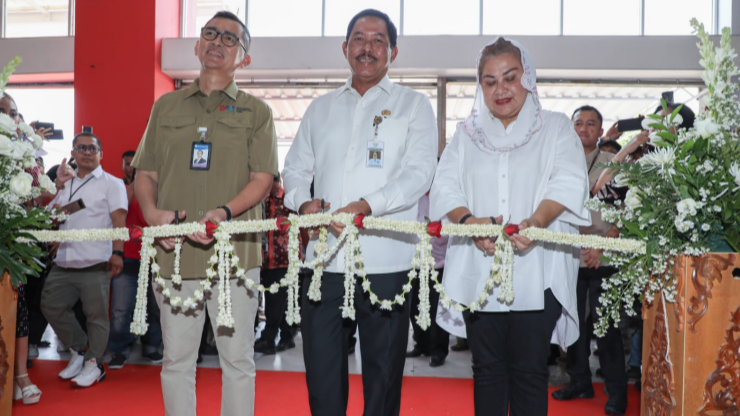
point(224, 261)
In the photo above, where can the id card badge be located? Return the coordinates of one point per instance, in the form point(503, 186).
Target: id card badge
point(200, 156)
point(375, 154)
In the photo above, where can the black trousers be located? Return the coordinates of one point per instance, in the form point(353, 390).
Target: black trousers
point(510, 351)
point(611, 350)
point(435, 341)
point(275, 306)
point(383, 341)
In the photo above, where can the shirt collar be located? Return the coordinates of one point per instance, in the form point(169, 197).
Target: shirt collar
point(385, 84)
point(98, 172)
point(231, 90)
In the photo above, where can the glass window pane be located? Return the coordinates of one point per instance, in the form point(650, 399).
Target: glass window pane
point(49, 105)
point(506, 17)
point(725, 14)
point(671, 17)
point(436, 17)
point(340, 12)
point(199, 12)
point(601, 17)
point(39, 18)
point(285, 17)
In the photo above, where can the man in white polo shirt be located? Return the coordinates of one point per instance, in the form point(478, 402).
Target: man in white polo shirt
point(82, 270)
point(371, 146)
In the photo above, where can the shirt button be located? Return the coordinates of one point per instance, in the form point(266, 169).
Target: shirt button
point(503, 176)
point(201, 185)
point(208, 111)
point(345, 198)
point(503, 200)
point(200, 212)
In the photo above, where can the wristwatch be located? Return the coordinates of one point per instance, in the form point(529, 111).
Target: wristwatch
point(118, 253)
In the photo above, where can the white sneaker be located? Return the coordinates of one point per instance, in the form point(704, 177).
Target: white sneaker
point(91, 374)
point(74, 367)
point(33, 351)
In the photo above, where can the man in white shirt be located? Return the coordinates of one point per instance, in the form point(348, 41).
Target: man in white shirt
point(82, 270)
point(371, 147)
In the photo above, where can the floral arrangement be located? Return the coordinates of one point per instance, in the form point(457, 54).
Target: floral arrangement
point(18, 146)
point(683, 196)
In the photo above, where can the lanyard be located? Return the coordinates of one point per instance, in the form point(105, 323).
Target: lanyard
point(72, 184)
point(593, 162)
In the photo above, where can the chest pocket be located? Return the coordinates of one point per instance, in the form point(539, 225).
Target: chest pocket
point(230, 140)
point(393, 132)
point(172, 132)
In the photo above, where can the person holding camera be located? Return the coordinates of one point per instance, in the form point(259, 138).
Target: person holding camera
point(82, 270)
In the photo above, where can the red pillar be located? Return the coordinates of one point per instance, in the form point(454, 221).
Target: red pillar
point(118, 73)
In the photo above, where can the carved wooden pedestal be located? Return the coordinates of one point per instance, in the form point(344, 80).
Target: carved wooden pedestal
point(691, 348)
point(8, 310)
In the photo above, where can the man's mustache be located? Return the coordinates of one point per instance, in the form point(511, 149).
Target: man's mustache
point(365, 55)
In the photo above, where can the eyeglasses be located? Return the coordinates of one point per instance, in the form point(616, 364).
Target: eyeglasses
point(227, 38)
point(83, 148)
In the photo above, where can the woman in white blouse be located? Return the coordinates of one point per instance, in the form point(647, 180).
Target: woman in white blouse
point(514, 161)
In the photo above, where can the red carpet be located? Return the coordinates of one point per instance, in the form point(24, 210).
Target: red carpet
point(135, 390)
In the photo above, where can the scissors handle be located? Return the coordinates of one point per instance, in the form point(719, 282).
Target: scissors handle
point(322, 205)
point(177, 217)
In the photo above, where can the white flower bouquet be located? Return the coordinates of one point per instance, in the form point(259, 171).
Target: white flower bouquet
point(18, 145)
point(683, 196)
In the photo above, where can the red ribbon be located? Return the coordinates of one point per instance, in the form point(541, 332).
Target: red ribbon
point(358, 221)
point(511, 229)
point(283, 224)
point(135, 233)
point(434, 228)
point(211, 228)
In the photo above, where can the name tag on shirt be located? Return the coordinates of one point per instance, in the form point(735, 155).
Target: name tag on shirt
point(200, 156)
point(375, 154)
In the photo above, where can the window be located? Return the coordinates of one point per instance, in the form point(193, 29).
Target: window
point(725, 14)
point(441, 17)
point(199, 12)
point(38, 18)
point(338, 13)
point(601, 17)
point(49, 105)
point(671, 17)
point(285, 17)
point(506, 17)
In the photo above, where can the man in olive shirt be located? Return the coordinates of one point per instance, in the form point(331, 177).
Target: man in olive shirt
point(238, 131)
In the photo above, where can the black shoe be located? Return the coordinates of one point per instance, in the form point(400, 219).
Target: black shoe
point(574, 391)
point(416, 352)
point(155, 357)
point(29, 364)
point(200, 358)
point(634, 373)
point(436, 361)
point(462, 345)
point(616, 404)
point(285, 345)
point(638, 385)
point(265, 346)
point(117, 362)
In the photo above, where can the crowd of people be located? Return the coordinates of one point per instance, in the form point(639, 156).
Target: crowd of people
point(369, 147)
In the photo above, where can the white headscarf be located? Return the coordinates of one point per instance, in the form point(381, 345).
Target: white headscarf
point(488, 133)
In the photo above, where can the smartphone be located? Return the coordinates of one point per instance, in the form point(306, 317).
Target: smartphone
point(40, 125)
point(56, 135)
point(73, 207)
point(630, 124)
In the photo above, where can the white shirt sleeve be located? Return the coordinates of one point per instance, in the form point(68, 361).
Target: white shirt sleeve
point(298, 172)
point(447, 192)
point(418, 164)
point(568, 183)
point(116, 195)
